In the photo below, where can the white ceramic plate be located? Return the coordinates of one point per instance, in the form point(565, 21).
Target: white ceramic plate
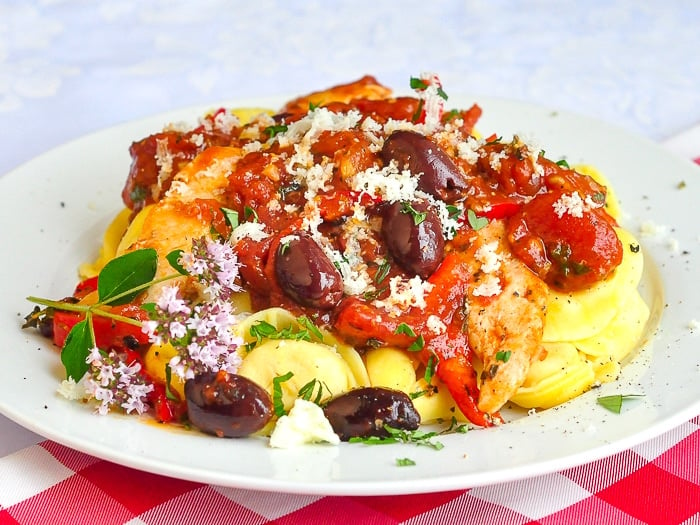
point(56, 207)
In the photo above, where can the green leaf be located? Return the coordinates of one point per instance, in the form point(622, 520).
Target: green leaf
point(405, 462)
point(174, 258)
point(403, 328)
point(275, 130)
point(503, 356)
point(168, 380)
point(76, 349)
point(476, 222)
point(614, 402)
point(119, 279)
point(307, 391)
point(249, 212)
point(417, 345)
point(277, 402)
point(430, 369)
point(418, 83)
point(310, 326)
point(418, 216)
point(231, 217)
point(382, 271)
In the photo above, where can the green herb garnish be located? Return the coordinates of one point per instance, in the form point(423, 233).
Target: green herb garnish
point(277, 401)
point(614, 402)
point(275, 130)
point(231, 217)
point(503, 356)
point(476, 222)
point(418, 216)
point(403, 328)
point(405, 462)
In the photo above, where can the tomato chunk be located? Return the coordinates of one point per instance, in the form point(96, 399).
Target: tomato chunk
point(565, 240)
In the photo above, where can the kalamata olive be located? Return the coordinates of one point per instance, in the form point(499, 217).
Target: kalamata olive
point(413, 234)
point(305, 273)
point(440, 177)
point(363, 412)
point(227, 405)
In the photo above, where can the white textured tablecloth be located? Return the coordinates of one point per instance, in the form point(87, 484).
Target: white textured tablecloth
point(70, 67)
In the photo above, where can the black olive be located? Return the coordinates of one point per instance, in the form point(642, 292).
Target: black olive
point(305, 273)
point(227, 405)
point(363, 412)
point(440, 176)
point(413, 234)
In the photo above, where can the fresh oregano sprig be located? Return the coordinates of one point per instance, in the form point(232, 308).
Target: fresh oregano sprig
point(119, 282)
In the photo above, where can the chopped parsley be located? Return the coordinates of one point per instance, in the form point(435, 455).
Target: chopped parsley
point(476, 222)
point(418, 216)
point(277, 399)
point(405, 462)
point(404, 329)
point(503, 356)
point(614, 402)
point(275, 130)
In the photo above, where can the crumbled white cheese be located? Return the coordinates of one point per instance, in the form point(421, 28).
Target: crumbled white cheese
point(489, 287)
point(252, 146)
point(469, 150)
point(253, 230)
point(693, 324)
point(569, 203)
point(197, 139)
point(288, 238)
point(164, 161)
point(405, 293)
point(495, 159)
point(648, 229)
point(435, 325)
point(225, 122)
point(387, 183)
point(488, 256)
point(305, 423)
point(71, 390)
point(308, 128)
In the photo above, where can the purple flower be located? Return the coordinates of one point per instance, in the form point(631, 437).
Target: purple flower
point(114, 382)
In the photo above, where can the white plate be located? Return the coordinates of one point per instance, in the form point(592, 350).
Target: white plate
point(56, 207)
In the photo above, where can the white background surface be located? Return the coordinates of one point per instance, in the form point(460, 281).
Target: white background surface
point(68, 68)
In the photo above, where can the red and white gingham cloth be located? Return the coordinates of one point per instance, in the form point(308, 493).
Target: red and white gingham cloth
point(657, 482)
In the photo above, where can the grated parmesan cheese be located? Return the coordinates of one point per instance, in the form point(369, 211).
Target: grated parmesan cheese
point(405, 293)
point(572, 204)
point(489, 287)
point(435, 325)
point(489, 258)
point(252, 230)
point(387, 183)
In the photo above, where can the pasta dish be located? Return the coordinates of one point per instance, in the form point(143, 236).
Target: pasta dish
point(351, 265)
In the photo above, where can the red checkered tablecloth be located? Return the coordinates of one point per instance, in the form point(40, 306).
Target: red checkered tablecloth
point(657, 482)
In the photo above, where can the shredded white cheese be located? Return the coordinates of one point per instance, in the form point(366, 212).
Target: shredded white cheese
point(569, 203)
point(253, 230)
point(405, 293)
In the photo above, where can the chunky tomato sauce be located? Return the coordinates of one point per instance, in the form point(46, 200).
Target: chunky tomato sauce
point(554, 217)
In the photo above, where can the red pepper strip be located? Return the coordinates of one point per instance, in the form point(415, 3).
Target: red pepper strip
point(85, 287)
point(455, 370)
point(108, 333)
point(166, 410)
point(360, 321)
point(501, 209)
